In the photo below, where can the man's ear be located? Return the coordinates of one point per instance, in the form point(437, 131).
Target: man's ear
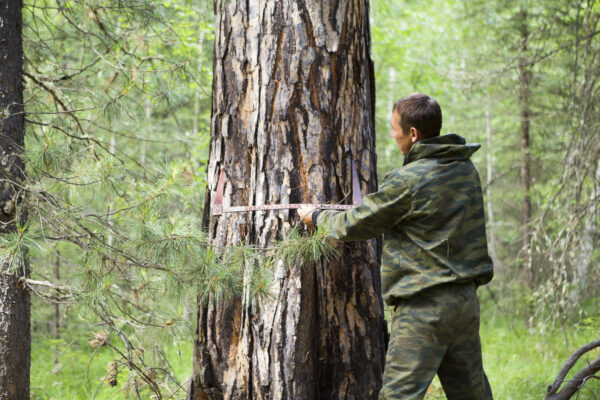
point(415, 134)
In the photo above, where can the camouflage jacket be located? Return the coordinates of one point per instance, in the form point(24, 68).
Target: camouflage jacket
point(430, 212)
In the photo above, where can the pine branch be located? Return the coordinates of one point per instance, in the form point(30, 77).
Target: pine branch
point(305, 249)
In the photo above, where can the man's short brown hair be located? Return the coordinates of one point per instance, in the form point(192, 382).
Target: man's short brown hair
point(421, 111)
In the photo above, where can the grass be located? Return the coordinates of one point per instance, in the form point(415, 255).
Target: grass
point(77, 373)
point(520, 363)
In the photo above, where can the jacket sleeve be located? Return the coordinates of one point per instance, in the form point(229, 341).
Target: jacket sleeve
point(378, 213)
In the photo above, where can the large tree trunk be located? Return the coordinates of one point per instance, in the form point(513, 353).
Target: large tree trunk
point(293, 106)
point(14, 300)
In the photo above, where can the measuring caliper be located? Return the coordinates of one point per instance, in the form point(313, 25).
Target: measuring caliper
point(218, 208)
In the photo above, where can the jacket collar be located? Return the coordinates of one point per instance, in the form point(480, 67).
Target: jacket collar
point(451, 147)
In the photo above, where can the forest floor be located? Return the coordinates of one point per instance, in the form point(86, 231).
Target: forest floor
point(519, 362)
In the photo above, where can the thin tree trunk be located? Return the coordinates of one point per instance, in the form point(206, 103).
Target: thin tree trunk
point(148, 114)
point(585, 253)
point(293, 106)
point(197, 94)
point(524, 98)
point(14, 300)
point(392, 89)
point(57, 305)
point(391, 101)
point(488, 188)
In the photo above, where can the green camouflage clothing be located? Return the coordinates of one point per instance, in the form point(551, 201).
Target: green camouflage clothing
point(436, 331)
point(430, 211)
point(431, 214)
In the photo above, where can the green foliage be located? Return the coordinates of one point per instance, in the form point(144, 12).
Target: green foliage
point(118, 125)
point(519, 363)
point(306, 249)
point(115, 173)
point(468, 55)
point(13, 250)
point(47, 154)
point(67, 369)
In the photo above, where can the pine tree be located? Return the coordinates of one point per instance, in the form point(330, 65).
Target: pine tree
point(293, 107)
point(15, 341)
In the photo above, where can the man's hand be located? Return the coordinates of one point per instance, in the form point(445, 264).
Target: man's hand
point(305, 213)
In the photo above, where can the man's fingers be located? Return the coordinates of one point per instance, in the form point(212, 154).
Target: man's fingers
point(305, 214)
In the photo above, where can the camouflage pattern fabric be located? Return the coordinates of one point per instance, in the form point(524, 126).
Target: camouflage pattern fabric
point(431, 214)
point(436, 331)
point(435, 254)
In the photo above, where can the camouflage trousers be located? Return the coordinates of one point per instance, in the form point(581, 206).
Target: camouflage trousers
point(436, 331)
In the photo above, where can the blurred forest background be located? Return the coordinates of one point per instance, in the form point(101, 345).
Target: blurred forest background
point(118, 103)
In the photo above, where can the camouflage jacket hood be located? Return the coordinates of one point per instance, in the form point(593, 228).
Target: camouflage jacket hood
point(431, 214)
point(447, 147)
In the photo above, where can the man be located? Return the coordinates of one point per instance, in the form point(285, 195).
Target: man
point(431, 214)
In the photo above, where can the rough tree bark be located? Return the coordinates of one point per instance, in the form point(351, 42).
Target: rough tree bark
point(293, 105)
point(14, 300)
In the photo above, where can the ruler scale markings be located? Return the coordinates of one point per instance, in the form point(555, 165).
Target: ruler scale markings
point(218, 208)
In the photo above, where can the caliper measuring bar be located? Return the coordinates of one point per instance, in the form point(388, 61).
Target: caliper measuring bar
point(218, 208)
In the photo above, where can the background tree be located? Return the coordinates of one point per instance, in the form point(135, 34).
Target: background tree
point(538, 69)
point(471, 56)
point(15, 339)
point(293, 107)
point(518, 68)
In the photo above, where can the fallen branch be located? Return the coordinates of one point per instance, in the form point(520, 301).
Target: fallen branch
point(579, 379)
point(60, 288)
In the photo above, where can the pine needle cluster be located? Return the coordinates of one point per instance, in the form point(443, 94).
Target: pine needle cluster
point(299, 248)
